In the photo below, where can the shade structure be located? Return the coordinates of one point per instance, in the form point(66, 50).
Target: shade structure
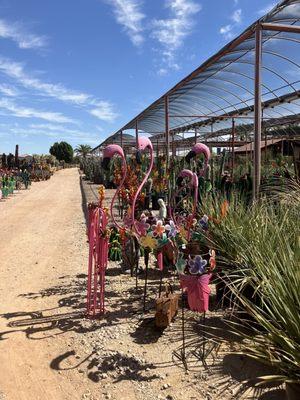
point(224, 86)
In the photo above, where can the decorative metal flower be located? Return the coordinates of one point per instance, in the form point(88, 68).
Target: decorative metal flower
point(158, 229)
point(142, 227)
point(204, 222)
point(181, 264)
point(171, 228)
point(148, 241)
point(197, 265)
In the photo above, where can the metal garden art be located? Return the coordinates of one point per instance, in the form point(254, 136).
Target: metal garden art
point(130, 246)
point(98, 235)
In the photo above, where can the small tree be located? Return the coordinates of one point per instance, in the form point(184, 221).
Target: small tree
point(63, 151)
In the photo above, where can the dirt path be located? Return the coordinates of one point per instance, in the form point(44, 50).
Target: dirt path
point(41, 240)
point(48, 350)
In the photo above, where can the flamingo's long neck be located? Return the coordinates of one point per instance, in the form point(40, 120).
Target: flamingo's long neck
point(124, 168)
point(205, 166)
point(140, 189)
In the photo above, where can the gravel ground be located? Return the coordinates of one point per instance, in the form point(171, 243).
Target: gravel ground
point(49, 350)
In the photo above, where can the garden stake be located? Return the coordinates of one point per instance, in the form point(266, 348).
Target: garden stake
point(146, 256)
point(183, 331)
point(160, 261)
point(181, 354)
point(136, 272)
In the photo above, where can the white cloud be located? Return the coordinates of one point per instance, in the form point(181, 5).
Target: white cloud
point(53, 131)
point(237, 16)
point(25, 112)
point(16, 32)
point(267, 9)
point(227, 30)
point(128, 14)
point(171, 32)
point(8, 90)
point(104, 111)
point(15, 70)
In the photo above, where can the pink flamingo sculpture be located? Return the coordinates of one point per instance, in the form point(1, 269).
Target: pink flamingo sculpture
point(109, 152)
point(197, 149)
point(99, 240)
point(144, 143)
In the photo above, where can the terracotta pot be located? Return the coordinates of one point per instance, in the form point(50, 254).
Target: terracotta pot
point(293, 391)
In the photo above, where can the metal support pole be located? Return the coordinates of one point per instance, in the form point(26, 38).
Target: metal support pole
point(173, 145)
point(121, 134)
point(266, 143)
point(195, 135)
point(257, 112)
point(232, 146)
point(167, 129)
point(137, 133)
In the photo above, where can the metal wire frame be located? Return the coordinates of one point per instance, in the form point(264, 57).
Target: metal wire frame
point(211, 87)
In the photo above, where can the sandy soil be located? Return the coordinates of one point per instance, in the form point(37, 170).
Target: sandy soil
point(48, 350)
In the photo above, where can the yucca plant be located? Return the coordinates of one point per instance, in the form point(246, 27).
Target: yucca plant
point(260, 246)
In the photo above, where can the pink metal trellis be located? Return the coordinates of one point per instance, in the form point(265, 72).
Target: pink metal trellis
point(98, 257)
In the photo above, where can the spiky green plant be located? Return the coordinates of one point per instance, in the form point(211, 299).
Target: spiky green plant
point(261, 247)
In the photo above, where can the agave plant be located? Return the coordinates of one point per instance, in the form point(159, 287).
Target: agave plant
point(261, 245)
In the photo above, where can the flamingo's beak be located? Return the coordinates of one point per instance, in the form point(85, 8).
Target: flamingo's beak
point(190, 155)
point(105, 163)
point(138, 157)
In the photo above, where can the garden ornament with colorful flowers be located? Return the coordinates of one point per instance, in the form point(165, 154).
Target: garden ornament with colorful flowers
point(179, 230)
point(191, 229)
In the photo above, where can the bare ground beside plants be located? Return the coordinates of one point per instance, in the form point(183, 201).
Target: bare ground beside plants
point(48, 350)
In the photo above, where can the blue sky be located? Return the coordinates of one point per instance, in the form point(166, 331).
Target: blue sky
point(77, 70)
